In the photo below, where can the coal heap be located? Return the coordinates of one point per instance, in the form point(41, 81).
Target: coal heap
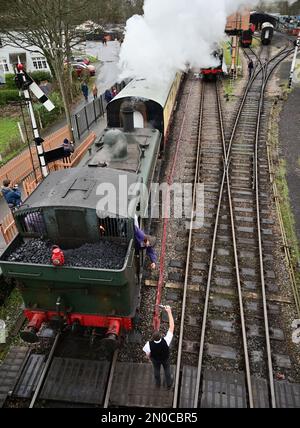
point(101, 255)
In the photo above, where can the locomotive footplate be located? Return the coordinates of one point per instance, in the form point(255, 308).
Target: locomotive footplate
point(76, 381)
point(134, 386)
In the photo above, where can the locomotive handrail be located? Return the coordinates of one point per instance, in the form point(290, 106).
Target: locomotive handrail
point(36, 275)
point(95, 279)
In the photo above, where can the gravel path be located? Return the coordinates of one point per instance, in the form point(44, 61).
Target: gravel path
point(290, 148)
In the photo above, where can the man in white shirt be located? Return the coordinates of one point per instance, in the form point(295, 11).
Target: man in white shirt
point(157, 350)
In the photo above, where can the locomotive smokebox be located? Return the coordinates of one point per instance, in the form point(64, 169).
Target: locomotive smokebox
point(127, 112)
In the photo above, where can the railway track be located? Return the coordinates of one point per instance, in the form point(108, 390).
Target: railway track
point(230, 278)
point(243, 259)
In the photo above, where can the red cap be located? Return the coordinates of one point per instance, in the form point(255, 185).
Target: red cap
point(20, 67)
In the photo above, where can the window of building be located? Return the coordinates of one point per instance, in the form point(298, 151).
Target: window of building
point(4, 66)
point(39, 63)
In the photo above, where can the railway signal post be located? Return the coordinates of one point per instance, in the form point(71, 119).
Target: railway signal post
point(297, 45)
point(25, 83)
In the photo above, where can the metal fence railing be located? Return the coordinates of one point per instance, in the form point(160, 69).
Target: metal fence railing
point(86, 117)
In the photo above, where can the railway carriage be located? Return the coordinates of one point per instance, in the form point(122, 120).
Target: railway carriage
point(153, 105)
point(89, 292)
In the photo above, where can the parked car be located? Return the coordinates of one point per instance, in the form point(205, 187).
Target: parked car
point(80, 67)
point(80, 59)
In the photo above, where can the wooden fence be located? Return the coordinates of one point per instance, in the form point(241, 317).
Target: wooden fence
point(30, 183)
point(8, 228)
point(21, 166)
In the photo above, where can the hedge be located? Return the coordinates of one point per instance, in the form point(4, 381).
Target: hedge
point(10, 81)
point(40, 76)
point(37, 76)
point(7, 95)
point(48, 117)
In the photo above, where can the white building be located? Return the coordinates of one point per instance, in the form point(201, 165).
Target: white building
point(33, 61)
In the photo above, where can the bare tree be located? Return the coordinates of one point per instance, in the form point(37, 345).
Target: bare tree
point(47, 25)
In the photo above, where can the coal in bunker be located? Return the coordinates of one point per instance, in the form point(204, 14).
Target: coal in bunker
point(101, 255)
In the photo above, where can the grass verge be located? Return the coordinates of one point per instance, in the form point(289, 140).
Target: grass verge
point(8, 131)
point(9, 313)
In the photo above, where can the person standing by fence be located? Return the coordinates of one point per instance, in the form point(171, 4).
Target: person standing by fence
point(85, 91)
point(108, 96)
point(114, 91)
point(95, 92)
point(12, 195)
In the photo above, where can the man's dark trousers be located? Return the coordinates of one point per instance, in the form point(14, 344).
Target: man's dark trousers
point(167, 369)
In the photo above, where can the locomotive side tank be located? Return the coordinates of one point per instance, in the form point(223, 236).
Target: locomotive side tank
point(267, 30)
point(81, 212)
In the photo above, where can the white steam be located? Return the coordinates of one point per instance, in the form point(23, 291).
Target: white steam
point(173, 33)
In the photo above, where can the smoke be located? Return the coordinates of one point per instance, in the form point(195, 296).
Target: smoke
point(173, 33)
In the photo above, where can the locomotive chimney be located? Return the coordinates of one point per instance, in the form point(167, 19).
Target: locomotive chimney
point(127, 115)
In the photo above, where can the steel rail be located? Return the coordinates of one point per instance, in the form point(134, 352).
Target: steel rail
point(266, 77)
point(179, 354)
point(225, 174)
point(44, 372)
point(212, 254)
point(110, 379)
point(261, 262)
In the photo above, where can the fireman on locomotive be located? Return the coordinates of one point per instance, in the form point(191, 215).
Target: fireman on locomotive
point(145, 241)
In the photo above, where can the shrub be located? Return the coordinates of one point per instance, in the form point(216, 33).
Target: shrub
point(10, 81)
point(7, 95)
point(40, 76)
point(37, 76)
point(48, 117)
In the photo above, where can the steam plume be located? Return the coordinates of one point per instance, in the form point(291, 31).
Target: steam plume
point(173, 33)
